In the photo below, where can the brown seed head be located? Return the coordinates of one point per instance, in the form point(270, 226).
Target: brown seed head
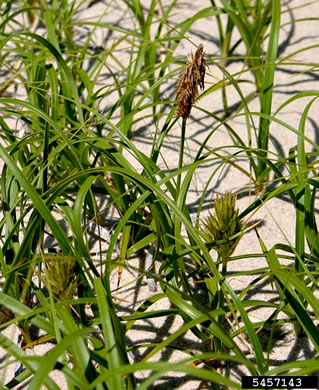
point(189, 80)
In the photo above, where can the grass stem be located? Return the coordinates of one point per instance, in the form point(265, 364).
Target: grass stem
point(181, 156)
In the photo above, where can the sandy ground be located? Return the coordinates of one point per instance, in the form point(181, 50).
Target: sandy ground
point(277, 216)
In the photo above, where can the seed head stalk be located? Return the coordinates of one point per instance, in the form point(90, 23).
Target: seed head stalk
point(181, 155)
point(187, 93)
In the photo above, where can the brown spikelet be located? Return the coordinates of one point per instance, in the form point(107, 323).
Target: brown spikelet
point(189, 80)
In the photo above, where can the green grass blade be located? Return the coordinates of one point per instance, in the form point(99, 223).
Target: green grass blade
point(305, 207)
point(21, 310)
point(79, 346)
point(302, 193)
point(289, 283)
point(78, 214)
point(112, 352)
point(69, 86)
point(161, 368)
point(303, 290)
point(260, 359)
point(268, 85)
point(214, 328)
point(48, 362)
point(37, 201)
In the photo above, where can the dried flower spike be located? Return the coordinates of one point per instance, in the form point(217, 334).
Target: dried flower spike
point(189, 80)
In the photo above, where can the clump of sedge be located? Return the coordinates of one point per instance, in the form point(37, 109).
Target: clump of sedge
point(190, 79)
point(223, 225)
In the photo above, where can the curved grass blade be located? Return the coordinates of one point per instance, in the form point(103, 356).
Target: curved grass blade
point(260, 359)
point(48, 362)
point(21, 310)
point(268, 84)
point(37, 201)
point(112, 353)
